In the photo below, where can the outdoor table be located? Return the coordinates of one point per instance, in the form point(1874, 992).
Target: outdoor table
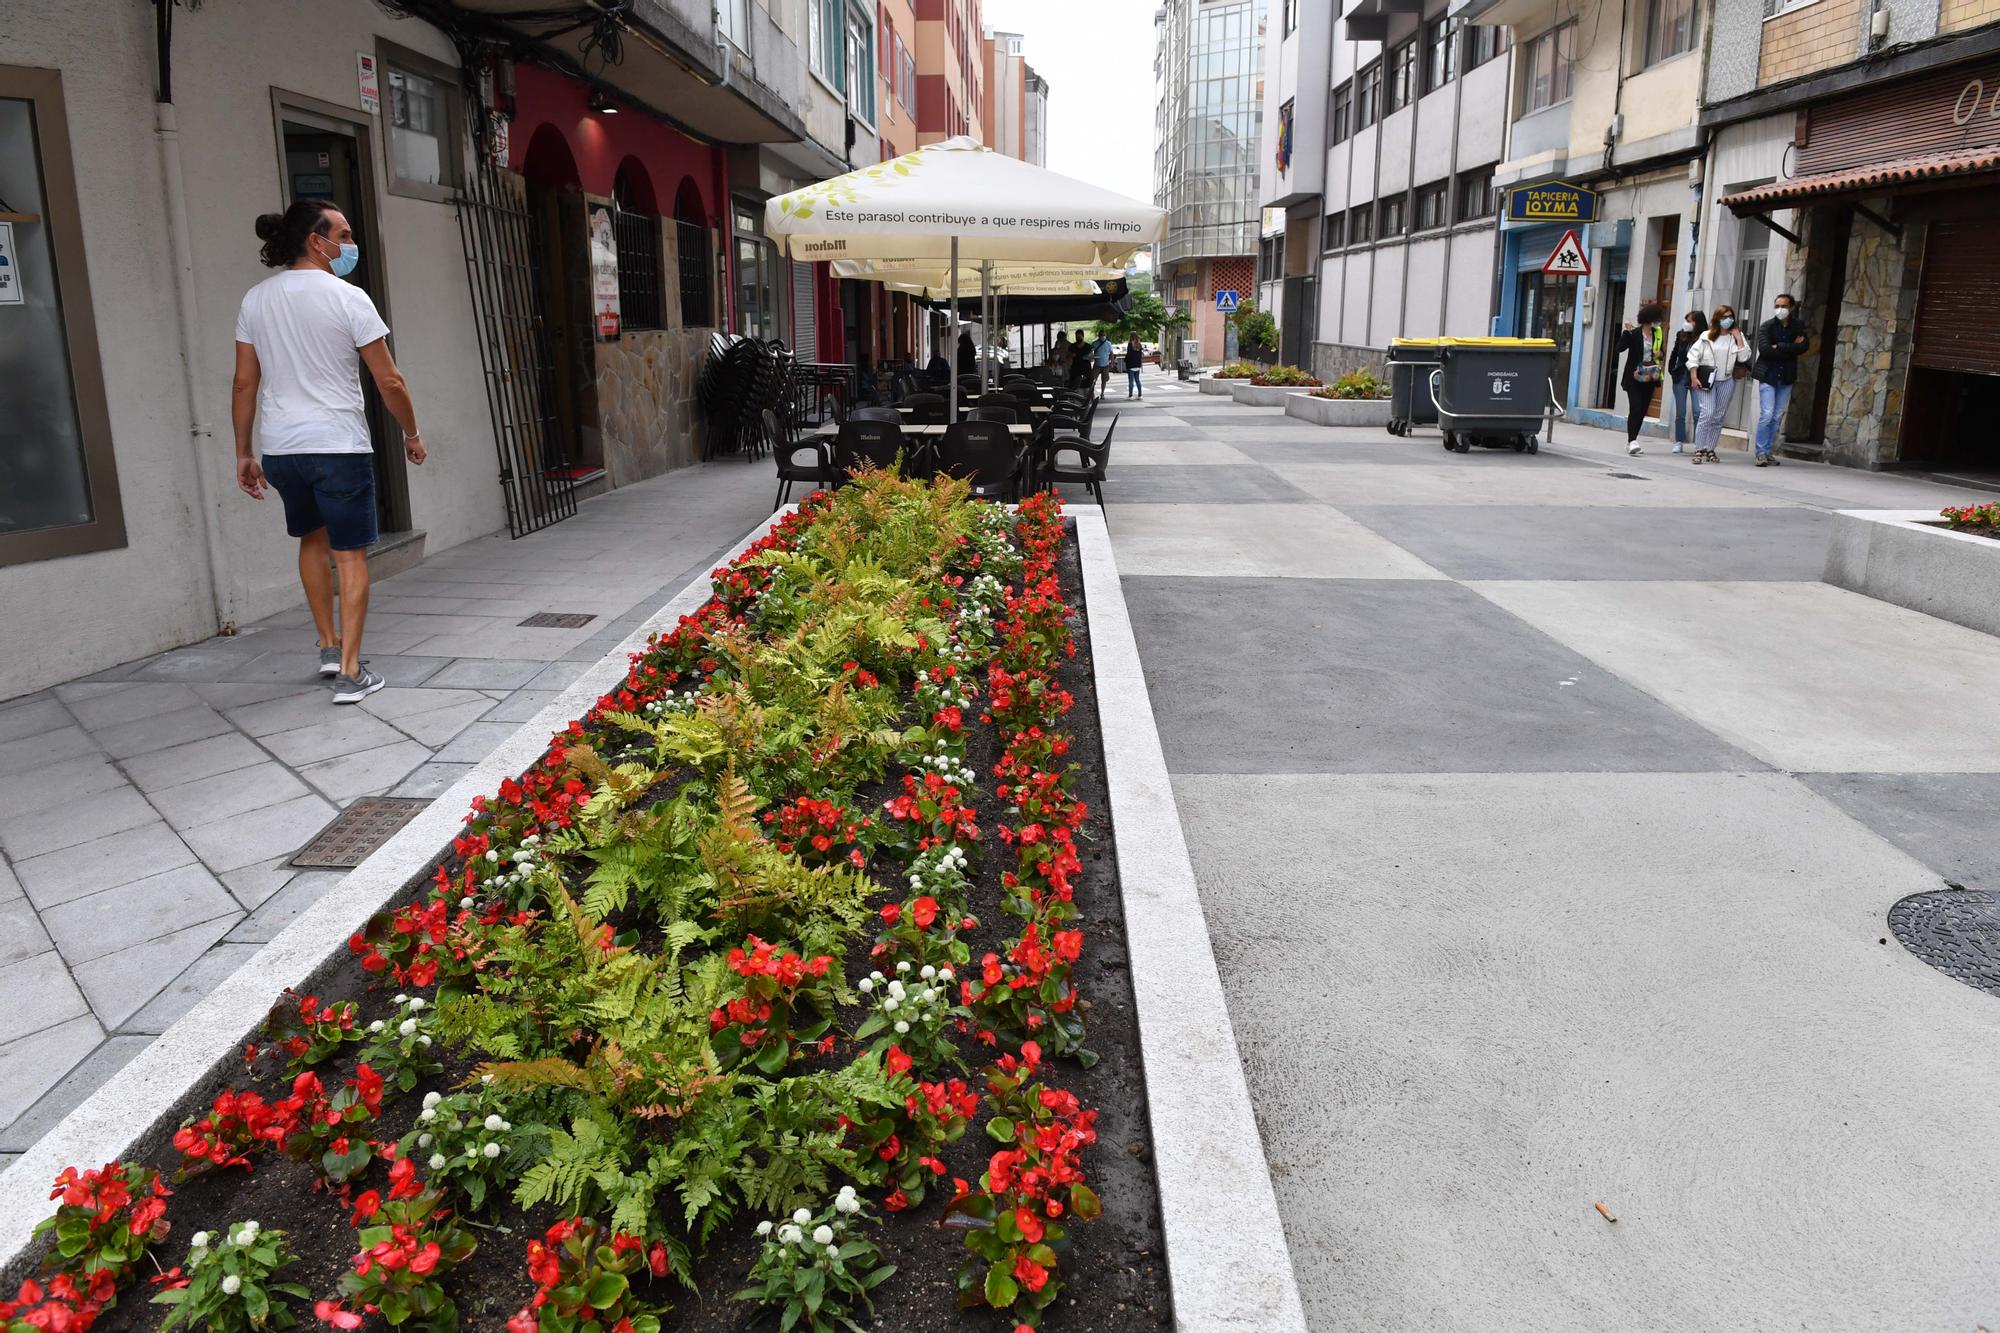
point(1020, 430)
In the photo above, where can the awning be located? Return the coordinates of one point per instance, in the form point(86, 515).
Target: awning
point(1863, 180)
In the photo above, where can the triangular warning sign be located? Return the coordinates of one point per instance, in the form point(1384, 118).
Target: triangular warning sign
point(1568, 258)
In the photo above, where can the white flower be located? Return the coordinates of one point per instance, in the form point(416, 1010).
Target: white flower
point(428, 1114)
point(944, 974)
point(822, 1234)
point(417, 1004)
point(763, 1228)
point(874, 976)
point(928, 972)
point(847, 1204)
point(896, 989)
point(493, 856)
point(865, 986)
point(231, 1284)
point(903, 966)
point(495, 1123)
point(465, 904)
point(408, 1027)
point(376, 1026)
point(200, 1241)
point(846, 1192)
point(788, 1234)
point(889, 1006)
point(832, 1251)
point(491, 1150)
point(432, 1099)
point(244, 1238)
point(506, 1127)
point(902, 1028)
point(400, 999)
point(802, 1216)
point(424, 1041)
point(437, 1161)
point(423, 1140)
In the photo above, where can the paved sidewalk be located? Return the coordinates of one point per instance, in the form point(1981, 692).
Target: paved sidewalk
point(1546, 811)
point(147, 813)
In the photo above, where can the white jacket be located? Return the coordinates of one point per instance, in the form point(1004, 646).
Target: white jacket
point(1724, 356)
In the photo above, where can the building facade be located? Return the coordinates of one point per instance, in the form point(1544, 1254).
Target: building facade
point(1208, 69)
point(951, 70)
point(1384, 128)
point(1853, 164)
point(1035, 118)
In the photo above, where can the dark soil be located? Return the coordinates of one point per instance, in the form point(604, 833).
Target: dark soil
point(1115, 1269)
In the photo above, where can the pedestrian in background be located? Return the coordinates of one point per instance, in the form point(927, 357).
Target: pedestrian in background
point(1101, 353)
point(1677, 372)
point(302, 336)
point(1640, 378)
point(1717, 360)
point(1135, 361)
point(1079, 363)
point(1058, 359)
point(968, 355)
point(1779, 344)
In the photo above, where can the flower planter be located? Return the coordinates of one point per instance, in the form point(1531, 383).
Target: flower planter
point(1907, 557)
point(1172, 1025)
point(1260, 395)
point(1216, 387)
point(1337, 411)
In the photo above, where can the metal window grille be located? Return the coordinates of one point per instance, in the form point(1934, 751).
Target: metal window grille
point(638, 237)
point(696, 310)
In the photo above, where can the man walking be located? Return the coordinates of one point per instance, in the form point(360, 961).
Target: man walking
point(1779, 345)
point(1101, 353)
point(302, 336)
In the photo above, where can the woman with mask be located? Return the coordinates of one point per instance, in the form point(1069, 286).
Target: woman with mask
point(1641, 375)
point(1677, 371)
point(1713, 361)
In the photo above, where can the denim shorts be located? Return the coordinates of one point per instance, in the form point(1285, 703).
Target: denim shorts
point(331, 491)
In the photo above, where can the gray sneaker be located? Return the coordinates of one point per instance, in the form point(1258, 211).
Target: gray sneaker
point(329, 661)
point(353, 689)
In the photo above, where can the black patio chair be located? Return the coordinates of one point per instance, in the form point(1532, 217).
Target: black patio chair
point(927, 409)
point(888, 414)
point(1091, 460)
point(798, 460)
point(968, 384)
point(985, 454)
point(865, 444)
point(994, 411)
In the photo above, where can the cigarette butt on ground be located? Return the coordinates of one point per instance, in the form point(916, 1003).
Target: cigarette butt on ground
point(1607, 1214)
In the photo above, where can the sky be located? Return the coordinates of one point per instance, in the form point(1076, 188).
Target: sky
point(1097, 56)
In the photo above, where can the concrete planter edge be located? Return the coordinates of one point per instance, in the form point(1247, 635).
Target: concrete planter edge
point(1259, 395)
point(1338, 411)
point(1899, 556)
point(1216, 387)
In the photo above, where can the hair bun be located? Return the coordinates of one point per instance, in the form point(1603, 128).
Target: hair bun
point(270, 226)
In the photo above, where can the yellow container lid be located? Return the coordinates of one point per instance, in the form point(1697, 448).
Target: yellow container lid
point(1418, 342)
point(1497, 342)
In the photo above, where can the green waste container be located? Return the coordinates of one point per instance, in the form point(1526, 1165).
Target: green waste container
point(1494, 391)
point(1411, 361)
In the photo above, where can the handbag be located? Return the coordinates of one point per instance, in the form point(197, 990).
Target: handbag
point(1703, 377)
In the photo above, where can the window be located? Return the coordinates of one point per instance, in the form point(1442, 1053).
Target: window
point(1291, 17)
point(58, 483)
point(1333, 231)
point(1669, 29)
point(1394, 214)
point(826, 40)
point(1402, 78)
point(1546, 69)
point(1773, 8)
point(1475, 194)
point(860, 67)
point(1343, 112)
point(1440, 54)
point(732, 20)
point(636, 230)
point(1271, 258)
point(1433, 205)
point(760, 286)
point(1361, 225)
point(1367, 96)
point(421, 120)
point(1482, 44)
point(906, 75)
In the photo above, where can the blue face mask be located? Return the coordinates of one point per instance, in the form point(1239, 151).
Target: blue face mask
point(1728, 322)
point(349, 256)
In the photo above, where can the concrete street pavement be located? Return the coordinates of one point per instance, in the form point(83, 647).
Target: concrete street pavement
point(1546, 811)
point(147, 813)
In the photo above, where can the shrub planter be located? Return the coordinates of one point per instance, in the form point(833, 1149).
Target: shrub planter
point(1219, 388)
point(1337, 411)
point(1203, 1218)
point(1260, 395)
point(1909, 558)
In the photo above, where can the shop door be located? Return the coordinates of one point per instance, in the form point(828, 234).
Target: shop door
point(1954, 389)
point(1664, 287)
point(1545, 307)
point(1613, 318)
point(326, 157)
point(560, 237)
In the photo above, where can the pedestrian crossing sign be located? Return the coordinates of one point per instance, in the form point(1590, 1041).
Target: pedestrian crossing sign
point(1225, 301)
point(1568, 259)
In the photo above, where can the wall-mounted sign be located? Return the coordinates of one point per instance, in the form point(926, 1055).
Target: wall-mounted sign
point(1568, 259)
point(604, 272)
point(371, 82)
point(10, 268)
point(1226, 300)
point(1551, 201)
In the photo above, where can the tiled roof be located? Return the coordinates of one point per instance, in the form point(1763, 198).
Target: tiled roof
point(1882, 175)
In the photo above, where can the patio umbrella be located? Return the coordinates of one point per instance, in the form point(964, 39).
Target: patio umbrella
point(958, 202)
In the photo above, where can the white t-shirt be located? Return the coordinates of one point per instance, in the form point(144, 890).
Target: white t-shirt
point(308, 328)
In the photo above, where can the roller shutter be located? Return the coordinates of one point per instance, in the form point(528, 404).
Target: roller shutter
point(1958, 304)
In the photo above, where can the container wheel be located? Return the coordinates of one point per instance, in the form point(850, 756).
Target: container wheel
point(1534, 445)
point(1450, 441)
point(1520, 444)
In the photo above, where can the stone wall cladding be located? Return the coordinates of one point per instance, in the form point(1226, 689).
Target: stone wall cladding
point(1815, 36)
point(646, 406)
point(1871, 359)
point(1332, 360)
point(1958, 15)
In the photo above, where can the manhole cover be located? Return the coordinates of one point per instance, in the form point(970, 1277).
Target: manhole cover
point(1626, 476)
point(558, 620)
point(359, 830)
point(1956, 931)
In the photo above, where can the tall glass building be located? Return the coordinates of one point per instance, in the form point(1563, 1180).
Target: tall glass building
point(1208, 74)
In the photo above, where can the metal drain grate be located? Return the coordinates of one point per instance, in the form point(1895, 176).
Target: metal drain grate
point(558, 620)
point(1956, 931)
point(358, 830)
